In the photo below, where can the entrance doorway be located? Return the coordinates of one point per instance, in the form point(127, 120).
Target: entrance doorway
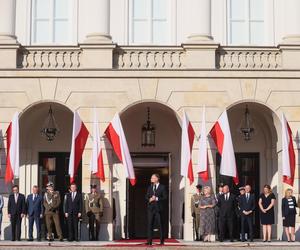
point(53, 166)
point(248, 171)
point(145, 166)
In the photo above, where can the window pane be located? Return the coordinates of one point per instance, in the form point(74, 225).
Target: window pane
point(237, 10)
point(42, 32)
point(160, 32)
point(257, 33)
point(140, 9)
point(61, 32)
point(256, 9)
point(159, 8)
point(61, 8)
point(239, 33)
point(42, 8)
point(140, 32)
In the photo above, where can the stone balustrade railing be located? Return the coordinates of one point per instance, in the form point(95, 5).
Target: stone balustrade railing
point(248, 58)
point(49, 57)
point(150, 58)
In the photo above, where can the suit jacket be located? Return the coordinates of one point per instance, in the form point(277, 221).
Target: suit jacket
point(285, 207)
point(51, 202)
point(161, 195)
point(75, 206)
point(34, 207)
point(246, 205)
point(227, 208)
point(18, 208)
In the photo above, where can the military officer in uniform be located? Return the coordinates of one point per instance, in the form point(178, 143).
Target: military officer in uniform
point(51, 204)
point(94, 211)
point(195, 209)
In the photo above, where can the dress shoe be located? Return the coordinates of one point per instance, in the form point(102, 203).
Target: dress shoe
point(61, 240)
point(30, 240)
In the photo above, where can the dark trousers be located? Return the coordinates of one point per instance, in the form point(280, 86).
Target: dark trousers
point(154, 216)
point(94, 219)
point(226, 221)
point(73, 227)
point(31, 220)
point(16, 226)
point(247, 219)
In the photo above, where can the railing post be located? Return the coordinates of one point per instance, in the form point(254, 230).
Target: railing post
point(200, 55)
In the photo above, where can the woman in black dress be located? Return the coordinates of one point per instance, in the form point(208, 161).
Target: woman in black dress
point(266, 205)
point(288, 208)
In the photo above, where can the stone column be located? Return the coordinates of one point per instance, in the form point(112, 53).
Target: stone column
point(199, 16)
point(200, 47)
point(7, 21)
point(97, 21)
point(97, 47)
point(290, 45)
point(8, 41)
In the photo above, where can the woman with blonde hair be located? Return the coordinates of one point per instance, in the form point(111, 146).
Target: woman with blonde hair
point(207, 218)
point(266, 204)
point(288, 209)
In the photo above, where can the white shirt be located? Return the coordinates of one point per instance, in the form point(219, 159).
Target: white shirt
point(227, 196)
point(16, 198)
point(73, 195)
point(247, 196)
point(155, 187)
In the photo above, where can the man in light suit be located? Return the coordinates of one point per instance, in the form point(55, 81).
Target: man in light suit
point(73, 210)
point(155, 197)
point(34, 203)
point(16, 211)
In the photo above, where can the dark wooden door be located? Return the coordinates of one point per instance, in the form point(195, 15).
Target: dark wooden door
point(53, 166)
point(248, 172)
point(137, 221)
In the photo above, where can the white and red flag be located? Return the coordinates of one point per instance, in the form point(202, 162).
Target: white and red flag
point(203, 154)
point(12, 157)
point(117, 139)
point(79, 138)
point(221, 135)
point(288, 153)
point(96, 166)
point(187, 140)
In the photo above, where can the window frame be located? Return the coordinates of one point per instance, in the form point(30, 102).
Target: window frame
point(72, 24)
point(170, 20)
point(248, 21)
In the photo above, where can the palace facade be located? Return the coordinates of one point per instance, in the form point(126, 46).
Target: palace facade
point(130, 55)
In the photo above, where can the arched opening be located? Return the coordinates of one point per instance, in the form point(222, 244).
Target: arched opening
point(42, 160)
point(257, 158)
point(163, 158)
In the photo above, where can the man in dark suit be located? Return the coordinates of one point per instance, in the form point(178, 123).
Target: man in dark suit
point(34, 212)
point(246, 208)
point(16, 211)
point(73, 210)
point(155, 197)
point(227, 209)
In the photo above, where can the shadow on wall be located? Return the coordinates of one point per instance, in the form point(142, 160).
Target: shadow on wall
point(104, 233)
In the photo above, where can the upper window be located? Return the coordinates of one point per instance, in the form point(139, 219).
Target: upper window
point(51, 21)
point(246, 22)
point(150, 22)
